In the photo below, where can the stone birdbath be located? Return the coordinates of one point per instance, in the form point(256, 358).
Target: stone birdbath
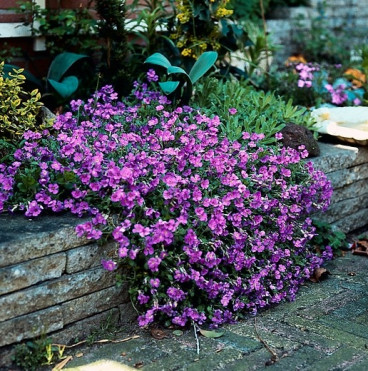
point(348, 124)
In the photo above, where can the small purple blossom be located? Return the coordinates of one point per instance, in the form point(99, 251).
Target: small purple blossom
point(109, 265)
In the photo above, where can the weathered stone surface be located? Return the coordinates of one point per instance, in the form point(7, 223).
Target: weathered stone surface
point(97, 302)
point(88, 256)
point(350, 191)
point(345, 208)
point(353, 221)
point(22, 275)
point(335, 157)
point(22, 239)
point(31, 325)
point(296, 135)
point(345, 177)
point(54, 292)
point(127, 313)
point(78, 331)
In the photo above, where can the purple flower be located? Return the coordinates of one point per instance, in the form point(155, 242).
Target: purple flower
point(175, 294)
point(108, 264)
point(33, 209)
point(153, 264)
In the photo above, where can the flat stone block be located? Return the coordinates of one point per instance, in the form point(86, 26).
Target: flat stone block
point(352, 222)
point(339, 360)
point(335, 157)
point(31, 325)
point(99, 301)
point(348, 176)
point(78, 331)
point(88, 256)
point(127, 313)
point(17, 277)
point(54, 292)
point(350, 191)
point(345, 208)
point(32, 239)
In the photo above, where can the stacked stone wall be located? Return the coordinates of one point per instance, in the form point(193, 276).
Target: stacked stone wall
point(52, 282)
point(347, 19)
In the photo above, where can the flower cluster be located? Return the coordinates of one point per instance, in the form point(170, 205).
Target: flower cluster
point(305, 72)
point(313, 84)
point(211, 228)
point(197, 29)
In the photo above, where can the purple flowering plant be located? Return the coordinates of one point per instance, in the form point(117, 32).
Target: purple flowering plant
point(206, 229)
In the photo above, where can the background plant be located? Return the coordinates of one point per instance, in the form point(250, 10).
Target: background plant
point(63, 29)
point(241, 108)
point(112, 29)
point(18, 108)
point(181, 89)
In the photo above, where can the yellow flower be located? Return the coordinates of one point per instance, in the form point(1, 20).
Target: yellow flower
point(183, 17)
point(295, 59)
point(222, 12)
point(357, 77)
point(186, 52)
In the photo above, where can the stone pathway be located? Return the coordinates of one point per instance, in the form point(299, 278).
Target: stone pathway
point(326, 328)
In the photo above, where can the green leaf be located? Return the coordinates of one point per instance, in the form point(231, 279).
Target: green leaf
point(62, 63)
point(169, 86)
point(159, 60)
point(203, 64)
point(66, 87)
point(178, 332)
point(210, 334)
point(175, 69)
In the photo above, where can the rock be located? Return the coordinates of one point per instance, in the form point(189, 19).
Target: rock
point(297, 135)
point(45, 117)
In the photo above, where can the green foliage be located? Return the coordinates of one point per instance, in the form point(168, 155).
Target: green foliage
point(256, 55)
point(18, 108)
point(64, 29)
point(182, 88)
point(257, 111)
point(152, 26)
point(8, 53)
point(33, 354)
point(112, 29)
point(327, 235)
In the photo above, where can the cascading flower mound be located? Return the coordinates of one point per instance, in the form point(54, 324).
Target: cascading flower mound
point(206, 229)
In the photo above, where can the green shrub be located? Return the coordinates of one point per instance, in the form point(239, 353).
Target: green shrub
point(257, 111)
point(18, 108)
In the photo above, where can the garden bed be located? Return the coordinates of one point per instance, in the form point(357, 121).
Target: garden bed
point(52, 282)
